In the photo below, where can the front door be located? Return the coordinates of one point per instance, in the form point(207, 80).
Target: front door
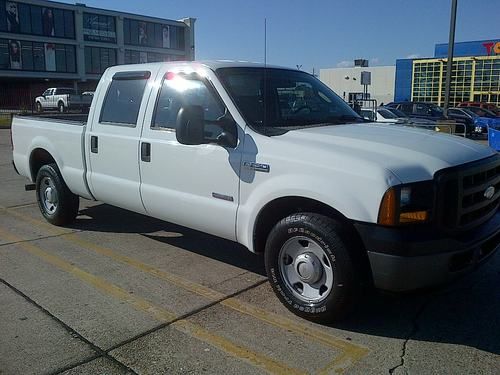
point(191, 185)
point(113, 141)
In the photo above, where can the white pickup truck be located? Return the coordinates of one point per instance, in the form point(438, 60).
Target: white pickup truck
point(273, 159)
point(62, 99)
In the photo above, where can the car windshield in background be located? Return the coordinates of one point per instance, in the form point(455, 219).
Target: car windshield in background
point(396, 112)
point(386, 114)
point(270, 98)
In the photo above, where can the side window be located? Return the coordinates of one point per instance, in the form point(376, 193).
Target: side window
point(180, 90)
point(124, 97)
point(421, 109)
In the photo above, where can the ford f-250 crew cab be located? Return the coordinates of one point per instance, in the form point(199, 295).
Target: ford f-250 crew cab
point(271, 158)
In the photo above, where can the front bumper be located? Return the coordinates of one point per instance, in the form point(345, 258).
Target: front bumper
point(404, 259)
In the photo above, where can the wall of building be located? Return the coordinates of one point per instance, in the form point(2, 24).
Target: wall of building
point(382, 81)
point(45, 41)
point(402, 88)
point(475, 75)
point(473, 48)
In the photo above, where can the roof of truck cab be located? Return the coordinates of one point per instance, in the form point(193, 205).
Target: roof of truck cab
point(212, 64)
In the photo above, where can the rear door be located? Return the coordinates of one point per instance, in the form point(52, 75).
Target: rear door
point(113, 140)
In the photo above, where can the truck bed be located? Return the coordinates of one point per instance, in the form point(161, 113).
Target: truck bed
point(62, 138)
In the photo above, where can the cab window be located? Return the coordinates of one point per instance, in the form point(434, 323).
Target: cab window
point(179, 90)
point(123, 99)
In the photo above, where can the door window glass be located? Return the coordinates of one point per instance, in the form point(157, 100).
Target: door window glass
point(123, 101)
point(181, 90)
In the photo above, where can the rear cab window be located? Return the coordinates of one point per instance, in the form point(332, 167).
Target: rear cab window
point(124, 97)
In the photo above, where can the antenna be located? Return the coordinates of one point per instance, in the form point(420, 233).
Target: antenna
point(265, 42)
point(264, 120)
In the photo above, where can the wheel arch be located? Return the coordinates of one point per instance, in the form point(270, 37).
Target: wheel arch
point(279, 208)
point(38, 158)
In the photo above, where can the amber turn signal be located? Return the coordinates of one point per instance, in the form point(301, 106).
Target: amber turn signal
point(387, 212)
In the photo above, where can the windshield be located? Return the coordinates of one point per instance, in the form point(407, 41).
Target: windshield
point(285, 99)
point(397, 112)
point(470, 113)
point(386, 114)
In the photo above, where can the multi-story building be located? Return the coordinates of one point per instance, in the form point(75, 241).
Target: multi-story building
point(49, 44)
point(475, 74)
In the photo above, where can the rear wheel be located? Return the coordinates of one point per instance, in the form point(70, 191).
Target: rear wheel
point(310, 266)
point(61, 107)
point(57, 203)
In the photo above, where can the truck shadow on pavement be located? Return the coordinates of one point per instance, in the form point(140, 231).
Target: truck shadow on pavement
point(465, 312)
point(105, 218)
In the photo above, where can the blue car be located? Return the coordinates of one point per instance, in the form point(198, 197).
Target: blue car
point(480, 123)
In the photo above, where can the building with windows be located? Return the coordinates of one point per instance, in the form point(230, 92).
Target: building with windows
point(475, 74)
point(50, 44)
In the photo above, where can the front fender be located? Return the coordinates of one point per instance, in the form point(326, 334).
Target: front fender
point(354, 196)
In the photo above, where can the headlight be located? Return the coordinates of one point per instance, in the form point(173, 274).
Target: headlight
point(407, 204)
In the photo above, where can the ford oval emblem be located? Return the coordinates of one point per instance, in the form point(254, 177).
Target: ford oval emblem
point(489, 192)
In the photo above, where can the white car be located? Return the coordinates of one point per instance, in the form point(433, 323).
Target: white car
point(333, 203)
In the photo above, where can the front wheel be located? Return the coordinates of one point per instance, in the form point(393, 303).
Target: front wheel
point(39, 107)
point(57, 203)
point(310, 266)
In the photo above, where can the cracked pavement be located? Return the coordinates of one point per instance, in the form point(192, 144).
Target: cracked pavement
point(121, 293)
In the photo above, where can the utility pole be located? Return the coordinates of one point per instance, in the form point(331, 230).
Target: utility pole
point(449, 65)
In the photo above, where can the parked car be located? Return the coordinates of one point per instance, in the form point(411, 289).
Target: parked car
point(462, 114)
point(385, 115)
point(62, 99)
point(419, 109)
point(332, 202)
point(489, 106)
point(479, 124)
point(482, 112)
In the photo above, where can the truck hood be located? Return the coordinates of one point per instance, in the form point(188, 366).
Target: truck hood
point(410, 154)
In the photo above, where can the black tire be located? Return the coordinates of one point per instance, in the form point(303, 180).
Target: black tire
point(60, 107)
point(65, 210)
point(331, 236)
point(39, 107)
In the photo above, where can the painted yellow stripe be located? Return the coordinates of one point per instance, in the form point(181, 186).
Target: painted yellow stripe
point(238, 351)
point(157, 312)
point(233, 303)
point(97, 282)
point(351, 352)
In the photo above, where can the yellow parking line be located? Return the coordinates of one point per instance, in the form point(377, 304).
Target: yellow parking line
point(157, 312)
point(351, 353)
point(236, 350)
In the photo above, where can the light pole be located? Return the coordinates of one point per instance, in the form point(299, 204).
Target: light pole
point(449, 65)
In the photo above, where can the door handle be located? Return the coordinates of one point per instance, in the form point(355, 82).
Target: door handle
point(94, 144)
point(146, 152)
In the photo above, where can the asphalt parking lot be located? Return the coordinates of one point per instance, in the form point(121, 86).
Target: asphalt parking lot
point(122, 293)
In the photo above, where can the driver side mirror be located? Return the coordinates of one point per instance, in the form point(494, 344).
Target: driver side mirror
point(191, 128)
point(190, 125)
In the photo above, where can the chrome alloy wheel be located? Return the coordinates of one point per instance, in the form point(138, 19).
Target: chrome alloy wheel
point(48, 195)
point(306, 269)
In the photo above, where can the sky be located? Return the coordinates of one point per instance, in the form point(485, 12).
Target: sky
point(320, 33)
